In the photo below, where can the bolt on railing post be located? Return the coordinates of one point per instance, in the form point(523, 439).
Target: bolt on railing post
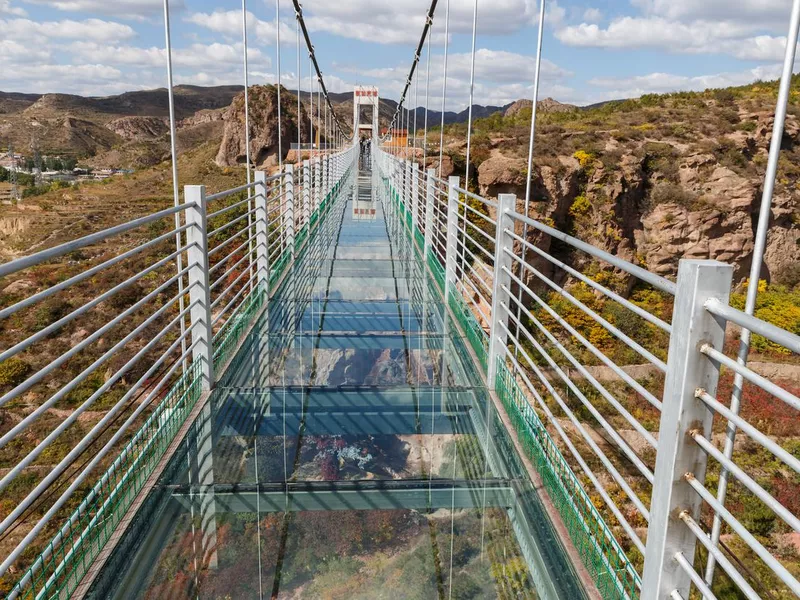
point(452, 236)
point(289, 218)
point(262, 231)
point(194, 197)
point(687, 371)
point(430, 196)
point(414, 196)
point(306, 192)
point(498, 338)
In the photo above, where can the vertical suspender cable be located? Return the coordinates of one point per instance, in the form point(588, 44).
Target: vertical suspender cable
point(173, 144)
point(299, 154)
point(247, 143)
point(471, 90)
point(534, 107)
point(311, 107)
point(764, 214)
point(416, 109)
point(444, 82)
point(427, 97)
point(278, 57)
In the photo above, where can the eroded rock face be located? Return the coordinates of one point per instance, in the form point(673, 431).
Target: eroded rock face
point(715, 220)
point(139, 128)
point(263, 127)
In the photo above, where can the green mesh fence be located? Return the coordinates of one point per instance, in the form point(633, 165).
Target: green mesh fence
point(601, 554)
point(58, 570)
point(226, 340)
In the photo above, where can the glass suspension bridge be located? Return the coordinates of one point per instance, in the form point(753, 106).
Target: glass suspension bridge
point(352, 355)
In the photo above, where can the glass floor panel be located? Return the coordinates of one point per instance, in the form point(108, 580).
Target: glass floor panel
point(350, 451)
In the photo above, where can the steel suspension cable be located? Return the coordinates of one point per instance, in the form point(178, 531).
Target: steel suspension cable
point(173, 146)
point(416, 111)
point(247, 137)
point(765, 212)
point(427, 99)
point(417, 54)
point(444, 83)
point(298, 155)
point(471, 90)
point(299, 11)
point(528, 183)
point(278, 58)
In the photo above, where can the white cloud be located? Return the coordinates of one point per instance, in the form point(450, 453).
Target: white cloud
point(132, 9)
point(392, 22)
point(32, 32)
point(631, 87)
point(14, 53)
point(592, 15)
point(759, 11)
point(7, 9)
point(229, 23)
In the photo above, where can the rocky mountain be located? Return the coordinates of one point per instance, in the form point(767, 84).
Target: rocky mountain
point(137, 128)
point(263, 127)
point(654, 180)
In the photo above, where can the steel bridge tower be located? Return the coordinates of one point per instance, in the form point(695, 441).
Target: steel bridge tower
point(365, 96)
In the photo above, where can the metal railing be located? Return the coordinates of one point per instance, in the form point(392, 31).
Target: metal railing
point(113, 363)
point(624, 458)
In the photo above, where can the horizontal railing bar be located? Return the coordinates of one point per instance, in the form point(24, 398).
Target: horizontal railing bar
point(44, 255)
point(56, 325)
point(626, 526)
point(621, 443)
point(51, 437)
point(231, 223)
point(232, 285)
point(775, 334)
point(747, 481)
point(6, 312)
point(231, 192)
point(743, 532)
point(695, 577)
point(232, 238)
point(590, 282)
point(230, 304)
point(750, 430)
point(723, 561)
point(33, 416)
point(474, 196)
point(230, 270)
point(754, 378)
point(633, 345)
point(232, 253)
point(34, 379)
point(233, 206)
point(649, 438)
point(656, 281)
point(78, 481)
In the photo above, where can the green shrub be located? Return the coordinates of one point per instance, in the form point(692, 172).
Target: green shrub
point(13, 371)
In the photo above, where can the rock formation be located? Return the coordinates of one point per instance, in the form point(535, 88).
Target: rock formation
point(139, 128)
point(263, 127)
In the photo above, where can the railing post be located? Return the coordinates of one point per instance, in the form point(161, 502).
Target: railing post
point(199, 288)
point(262, 233)
point(407, 184)
point(326, 188)
point(678, 455)
point(415, 196)
point(317, 182)
point(289, 215)
point(430, 197)
point(306, 192)
point(503, 244)
point(452, 236)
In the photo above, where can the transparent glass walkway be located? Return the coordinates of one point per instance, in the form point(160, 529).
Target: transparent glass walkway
point(346, 453)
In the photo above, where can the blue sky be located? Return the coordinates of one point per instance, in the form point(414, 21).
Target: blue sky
point(593, 49)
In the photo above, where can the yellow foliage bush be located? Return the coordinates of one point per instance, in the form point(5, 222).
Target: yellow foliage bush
point(580, 206)
point(583, 157)
point(776, 305)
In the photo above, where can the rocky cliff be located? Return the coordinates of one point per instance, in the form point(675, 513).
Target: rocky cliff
point(655, 202)
point(263, 127)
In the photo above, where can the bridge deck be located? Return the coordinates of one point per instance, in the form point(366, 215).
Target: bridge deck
point(351, 436)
